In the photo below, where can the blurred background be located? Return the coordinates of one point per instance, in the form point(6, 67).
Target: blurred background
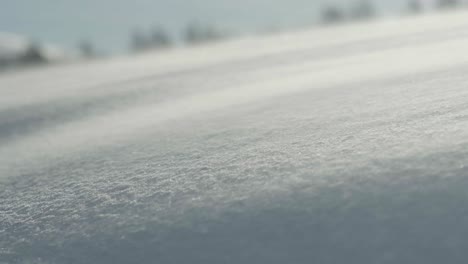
point(52, 31)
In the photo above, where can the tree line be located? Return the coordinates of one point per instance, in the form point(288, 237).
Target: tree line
point(365, 9)
point(158, 38)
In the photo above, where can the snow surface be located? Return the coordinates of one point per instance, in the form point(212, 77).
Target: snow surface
point(339, 145)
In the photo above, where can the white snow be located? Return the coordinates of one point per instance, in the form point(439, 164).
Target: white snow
point(342, 144)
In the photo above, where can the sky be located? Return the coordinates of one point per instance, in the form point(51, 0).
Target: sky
point(108, 23)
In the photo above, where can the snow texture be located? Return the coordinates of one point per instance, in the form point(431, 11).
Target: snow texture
point(346, 144)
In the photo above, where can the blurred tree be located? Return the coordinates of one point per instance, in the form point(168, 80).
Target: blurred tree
point(445, 4)
point(33, 54)
point(212, 34)
point(3, 63)
point(363, 10)
point(139, 42)
point(332, 15)
point(160, 39)
point(87, 49)
point(196, 34)
point(193, 34)
point(415, 6)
